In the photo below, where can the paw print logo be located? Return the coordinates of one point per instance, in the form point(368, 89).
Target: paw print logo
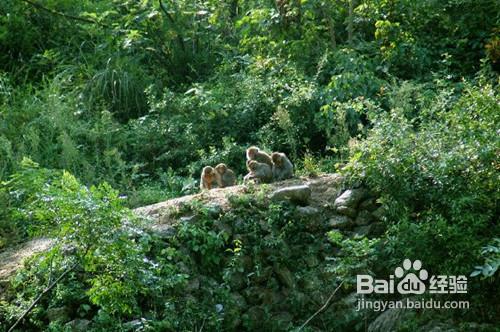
point(411, 284)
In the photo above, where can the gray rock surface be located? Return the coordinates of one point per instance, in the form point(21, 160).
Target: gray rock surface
point(298, 194)
point(364, 218)
point(387, 321)
point(78, 325)
point(340, 222)
point(58, 314)
point(347, 211)
point(350, 198)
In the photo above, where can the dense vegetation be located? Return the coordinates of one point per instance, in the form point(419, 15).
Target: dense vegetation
point(107, 105)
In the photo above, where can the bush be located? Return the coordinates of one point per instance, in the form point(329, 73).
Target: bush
point(437, 175)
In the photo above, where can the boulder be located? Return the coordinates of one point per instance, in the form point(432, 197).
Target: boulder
point(164, 232)
point(377, 229)
point(364, 218)
point(371, 230)
point(78, 325)
point(134, 325)
point(297, 194)
point(387, 321)
point(238, 300)
point(363, 230)
point(310, 216)
point(285, 276)
point(255, 315)
point(347, 211)
point(340, 222)
point(379, 213)
point(306, 211)
point(369, 204)
point(350, 198)
point(58, 314)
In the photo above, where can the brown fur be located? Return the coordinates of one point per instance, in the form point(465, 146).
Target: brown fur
point(254, 153)
point(225, 176)
point(258, 172)
point(207, 177)
point(282, 167)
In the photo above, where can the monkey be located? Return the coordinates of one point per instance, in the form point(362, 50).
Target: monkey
point(258, 172)
point(254, 153)
point(282, 167)
point(225, 176)
point(207, 177)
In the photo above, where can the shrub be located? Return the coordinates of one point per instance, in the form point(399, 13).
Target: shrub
point(437, 175)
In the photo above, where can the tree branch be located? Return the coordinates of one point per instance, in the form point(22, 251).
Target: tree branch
point(172, 21)
point(162, 7)
point(322, 308)
point(71, 17)
point(39, 297)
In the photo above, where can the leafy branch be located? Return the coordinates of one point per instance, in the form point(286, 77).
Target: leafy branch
point(67, 16)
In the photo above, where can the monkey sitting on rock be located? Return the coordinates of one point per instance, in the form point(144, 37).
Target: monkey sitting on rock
point(262, 168)
point(258, 172)
point(207, 177)
point(225, 176)
point(254, 153)
point(282, 166)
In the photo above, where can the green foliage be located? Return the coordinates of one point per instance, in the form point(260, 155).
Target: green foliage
point(124, 92)
point(437, 174)
point(310, 166)
point(399, 50)
point(201, 239)
point(491, 254)
point(357, 256)
point(143, 94)
point(121, 85)
point(348, 74)
point(167, 186)
point(452, 152)
point(16, 195)
point(89, 220)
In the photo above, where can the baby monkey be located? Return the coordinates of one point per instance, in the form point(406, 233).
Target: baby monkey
point(258, 172)
point(225, 176)
point(207, 177)
point(282, 167)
